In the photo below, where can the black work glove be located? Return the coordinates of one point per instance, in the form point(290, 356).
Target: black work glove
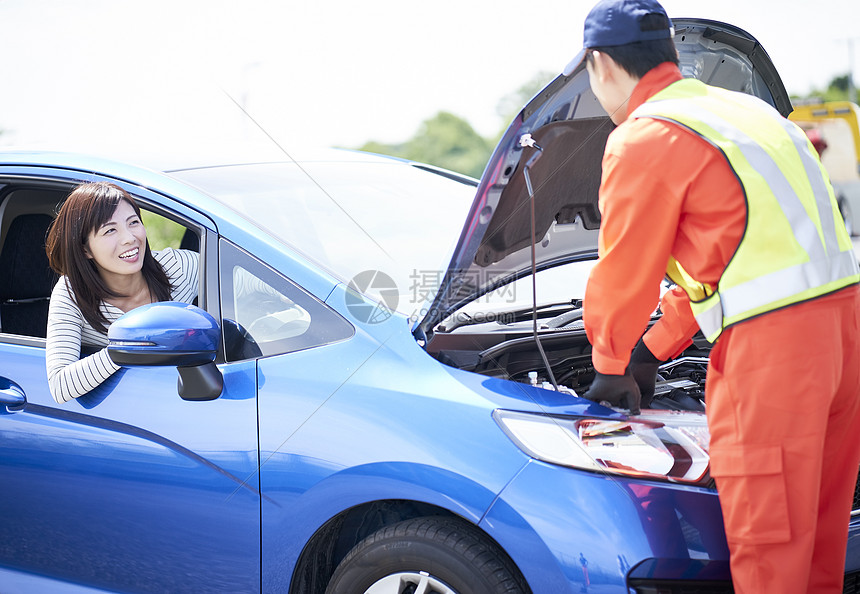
point(643, 367)
point(617, 390)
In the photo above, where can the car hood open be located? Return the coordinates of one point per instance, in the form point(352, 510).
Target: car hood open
point(568, 123)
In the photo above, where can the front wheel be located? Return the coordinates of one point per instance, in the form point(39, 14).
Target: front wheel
point(427, 556)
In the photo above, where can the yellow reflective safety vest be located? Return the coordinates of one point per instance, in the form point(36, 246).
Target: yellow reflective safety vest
point(795, 246)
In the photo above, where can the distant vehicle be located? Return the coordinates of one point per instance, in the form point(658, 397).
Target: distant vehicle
point(835, 125)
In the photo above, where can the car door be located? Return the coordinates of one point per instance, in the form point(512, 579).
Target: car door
point(129, 487)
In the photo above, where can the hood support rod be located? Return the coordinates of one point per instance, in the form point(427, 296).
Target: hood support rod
point(527, 140)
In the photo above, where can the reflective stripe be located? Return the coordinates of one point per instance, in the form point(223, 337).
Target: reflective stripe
point(782, 284)
point(710, 320)
point(813, 171)
point(808, 210)
point(819, 190)
point(734, 302)
point(792, 207)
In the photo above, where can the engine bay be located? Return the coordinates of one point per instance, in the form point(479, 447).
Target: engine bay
point(503, 346)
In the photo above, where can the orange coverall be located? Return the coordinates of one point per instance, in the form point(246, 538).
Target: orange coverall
point(783, 389)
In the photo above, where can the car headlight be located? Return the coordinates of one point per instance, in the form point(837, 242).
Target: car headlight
point(657, 444)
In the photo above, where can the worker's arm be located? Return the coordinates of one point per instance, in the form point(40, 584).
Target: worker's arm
point(640, 205)
point(674, 331)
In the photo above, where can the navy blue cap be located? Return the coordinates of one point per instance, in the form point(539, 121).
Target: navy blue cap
point(617, 22)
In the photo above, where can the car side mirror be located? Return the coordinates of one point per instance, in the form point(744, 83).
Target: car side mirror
point(169, 333)
point(11, 395)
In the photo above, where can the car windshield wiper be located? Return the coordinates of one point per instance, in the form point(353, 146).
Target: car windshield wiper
point(510, 316)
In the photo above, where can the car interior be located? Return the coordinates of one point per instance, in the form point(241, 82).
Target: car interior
point(26, 279)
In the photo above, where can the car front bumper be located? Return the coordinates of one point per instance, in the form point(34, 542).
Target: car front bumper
point(569, 531)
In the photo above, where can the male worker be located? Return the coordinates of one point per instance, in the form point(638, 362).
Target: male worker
point(729, 199)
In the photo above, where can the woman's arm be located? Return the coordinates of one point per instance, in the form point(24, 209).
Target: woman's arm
point(69, 376)
point(182, 269)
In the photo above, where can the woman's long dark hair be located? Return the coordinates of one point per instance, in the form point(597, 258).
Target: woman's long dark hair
point(88, 207)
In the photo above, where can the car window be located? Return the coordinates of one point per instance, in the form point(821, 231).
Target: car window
point(26, 212)
point(267, 314)
point(162, 232)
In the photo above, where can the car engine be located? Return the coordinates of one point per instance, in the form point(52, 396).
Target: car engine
point(505, 347)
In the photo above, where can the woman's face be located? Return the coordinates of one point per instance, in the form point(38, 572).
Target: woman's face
point(117, 247)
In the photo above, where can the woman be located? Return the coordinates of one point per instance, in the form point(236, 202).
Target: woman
point(98, 245)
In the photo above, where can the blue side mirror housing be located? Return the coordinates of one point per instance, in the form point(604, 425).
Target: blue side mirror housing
point(164, 333)
point(170, 333)
point(11, 395)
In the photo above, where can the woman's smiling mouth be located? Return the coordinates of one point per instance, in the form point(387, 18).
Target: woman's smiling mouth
point(130, 254)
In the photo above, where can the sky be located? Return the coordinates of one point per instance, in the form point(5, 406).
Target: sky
point(125, 76)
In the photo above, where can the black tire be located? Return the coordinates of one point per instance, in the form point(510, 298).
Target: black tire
point(433, 555)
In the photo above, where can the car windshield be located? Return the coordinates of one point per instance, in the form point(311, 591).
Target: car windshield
point(352, 216)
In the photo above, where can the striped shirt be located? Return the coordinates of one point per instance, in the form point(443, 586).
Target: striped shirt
point(69, 376)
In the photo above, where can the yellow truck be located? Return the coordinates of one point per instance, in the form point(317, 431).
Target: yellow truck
point(834, 129)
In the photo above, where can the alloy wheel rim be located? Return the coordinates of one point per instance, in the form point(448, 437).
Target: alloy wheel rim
point(410, 582)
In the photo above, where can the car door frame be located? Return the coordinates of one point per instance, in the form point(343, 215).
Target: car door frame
point(58, 414)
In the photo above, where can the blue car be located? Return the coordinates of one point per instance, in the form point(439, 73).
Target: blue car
point(370, 421)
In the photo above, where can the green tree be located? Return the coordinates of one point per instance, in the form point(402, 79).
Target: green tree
point(449, 141)
point(838, 89)
point(445, 140)
point(510, 105)
point(161, 232)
